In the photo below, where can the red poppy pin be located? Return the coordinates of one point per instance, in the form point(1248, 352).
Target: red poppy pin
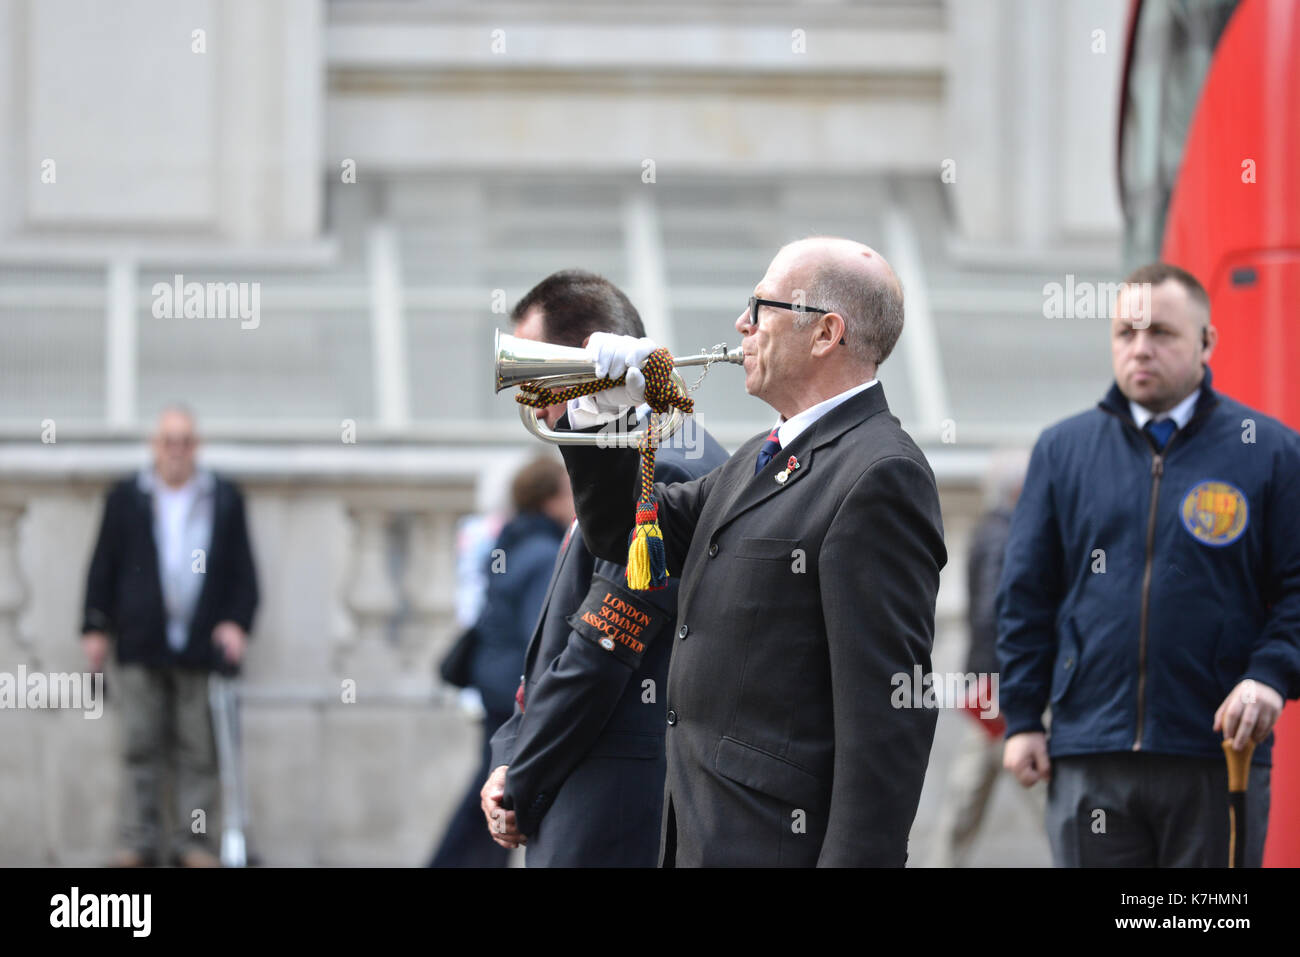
point(791, 464)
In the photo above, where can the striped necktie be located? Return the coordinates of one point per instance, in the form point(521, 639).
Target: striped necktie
point(769, 449)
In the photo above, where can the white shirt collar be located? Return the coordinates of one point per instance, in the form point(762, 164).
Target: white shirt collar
point(1181, 413)
point(789, 429)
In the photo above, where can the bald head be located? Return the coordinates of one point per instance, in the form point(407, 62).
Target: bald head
point(834, 310)
point(848, 253)
point(855, 282)
point(175, 442)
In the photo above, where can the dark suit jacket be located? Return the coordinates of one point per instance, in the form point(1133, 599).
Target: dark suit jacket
point(803, 605)
point(586, 753)
point(124, 594)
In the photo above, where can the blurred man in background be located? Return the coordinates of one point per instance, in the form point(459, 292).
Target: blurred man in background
point(1151, 597)
point(978, 762)
point(578, 770)
point(173, 588)
point(519, 568)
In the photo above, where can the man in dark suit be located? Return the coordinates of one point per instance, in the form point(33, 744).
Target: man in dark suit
point(809, 567)
point(173, 588)
point(579, 767)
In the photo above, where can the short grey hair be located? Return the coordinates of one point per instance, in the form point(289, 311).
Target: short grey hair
point(872, 308)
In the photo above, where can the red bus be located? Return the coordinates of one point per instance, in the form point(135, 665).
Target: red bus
point(1209, 174)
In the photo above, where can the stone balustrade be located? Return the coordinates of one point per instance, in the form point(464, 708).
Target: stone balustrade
point(354, 752)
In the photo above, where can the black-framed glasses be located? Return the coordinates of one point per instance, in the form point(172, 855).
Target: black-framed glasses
point(755, 302)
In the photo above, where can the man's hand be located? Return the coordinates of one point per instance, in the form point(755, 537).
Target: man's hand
point(614, 355)
point(231, 639)
point(601, 407)
point(1026, 757)
point(95, 644)
point(1250, 711)
point(500, 822)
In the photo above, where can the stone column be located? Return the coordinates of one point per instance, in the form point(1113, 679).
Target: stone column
point(14, 649)
point(421, 590)
point(372, 598)
point(430, 587)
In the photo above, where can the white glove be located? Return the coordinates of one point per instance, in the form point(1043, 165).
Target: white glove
point(601, 407)
point(614, 355)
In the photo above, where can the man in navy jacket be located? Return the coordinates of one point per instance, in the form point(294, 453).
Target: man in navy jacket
point(1151, 598)
point(579, 767)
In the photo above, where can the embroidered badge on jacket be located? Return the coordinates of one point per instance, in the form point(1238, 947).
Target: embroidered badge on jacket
point(1215, 513)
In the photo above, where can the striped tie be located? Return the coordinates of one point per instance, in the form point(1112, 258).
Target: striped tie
point(769, 449)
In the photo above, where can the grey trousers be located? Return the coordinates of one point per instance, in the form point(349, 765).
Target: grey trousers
point(166, 716)
point(1132, 809)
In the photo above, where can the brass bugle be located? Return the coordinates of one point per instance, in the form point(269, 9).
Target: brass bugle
point(549, 366)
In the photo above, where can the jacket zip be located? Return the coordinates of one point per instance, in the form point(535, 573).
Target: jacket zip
point(1203, 409)
point(1157, 471)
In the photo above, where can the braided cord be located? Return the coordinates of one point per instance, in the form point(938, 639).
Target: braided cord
point(661, 393)
point(539, 397)
point(647, 566)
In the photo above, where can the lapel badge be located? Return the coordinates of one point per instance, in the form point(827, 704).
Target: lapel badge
point(791, 464)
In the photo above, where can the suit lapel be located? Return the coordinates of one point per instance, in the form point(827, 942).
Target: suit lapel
point(757, 489)
point(557, 573)
point(144, 510)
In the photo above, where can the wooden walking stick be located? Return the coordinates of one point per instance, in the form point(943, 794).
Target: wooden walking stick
point(1238, 778)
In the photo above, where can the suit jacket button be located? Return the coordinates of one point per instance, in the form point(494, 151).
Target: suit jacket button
point(682, 631)
point(672, 717)
point(713, 550)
